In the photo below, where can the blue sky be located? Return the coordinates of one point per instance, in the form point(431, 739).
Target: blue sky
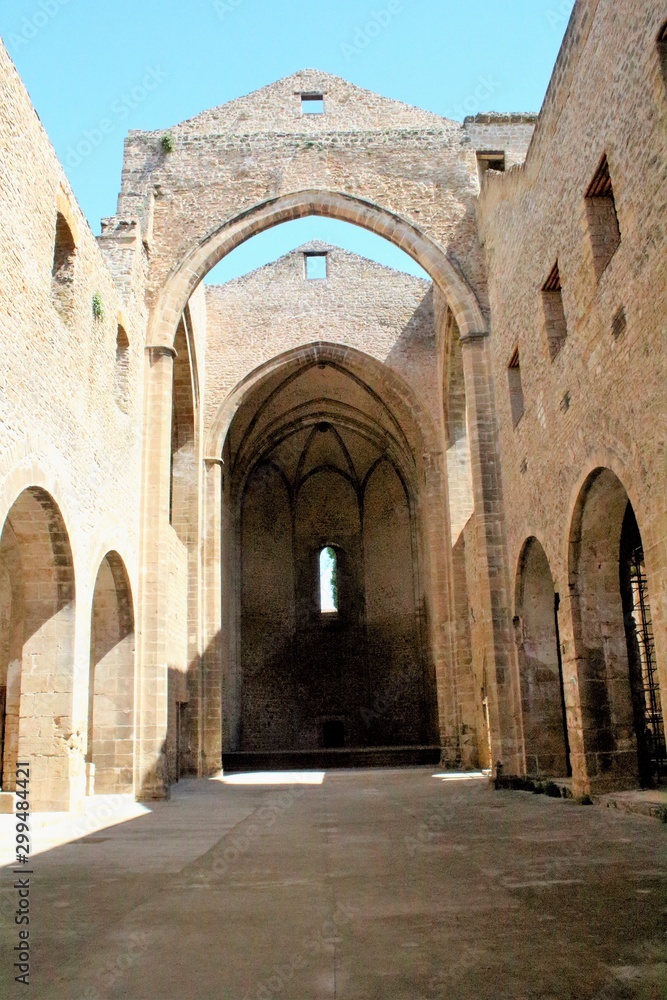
point(82, 58)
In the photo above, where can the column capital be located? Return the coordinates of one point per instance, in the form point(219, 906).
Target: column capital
point(161, 350)
point(474, 335)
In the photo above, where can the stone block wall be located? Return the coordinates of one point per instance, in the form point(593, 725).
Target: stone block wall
point(70, 393)
point(596, 397)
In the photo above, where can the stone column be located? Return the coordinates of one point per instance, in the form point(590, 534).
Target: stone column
point(573, 707)
point(151, 781)
point(212, 659)
point(491, 601)
point(438, 564)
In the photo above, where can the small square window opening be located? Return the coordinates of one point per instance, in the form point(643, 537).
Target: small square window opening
point(490, 161)
point(312, 104)
point(316, 266)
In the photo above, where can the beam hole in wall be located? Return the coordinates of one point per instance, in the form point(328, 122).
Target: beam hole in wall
point(619, 324)
point(515, 387)
point(603, 228)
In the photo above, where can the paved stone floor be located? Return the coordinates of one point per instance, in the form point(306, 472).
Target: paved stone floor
point(384, 885)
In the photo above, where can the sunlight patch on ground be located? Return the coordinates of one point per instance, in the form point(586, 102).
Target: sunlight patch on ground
point(272, 778)
point(462, 775)
point(53, 829)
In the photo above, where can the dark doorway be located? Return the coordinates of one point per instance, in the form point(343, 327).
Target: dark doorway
point(333, 734)
point(647, 709)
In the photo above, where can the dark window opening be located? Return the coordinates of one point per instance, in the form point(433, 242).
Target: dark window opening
point(312, 104)
point(515, 387)
point(603, 227)
point(333, 734)
point(619, 324)
point(62, 270)
point(316, 266)
point(328, 574)
point(647, 706)
point(554, 313)
point(491, 160)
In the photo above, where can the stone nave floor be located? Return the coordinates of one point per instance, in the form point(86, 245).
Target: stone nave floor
point(388, 884)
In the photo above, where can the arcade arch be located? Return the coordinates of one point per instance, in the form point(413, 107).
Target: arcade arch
point(622, 719)
point(37, 655)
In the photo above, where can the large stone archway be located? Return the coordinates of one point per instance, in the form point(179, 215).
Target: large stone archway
point(209, 251)
point(492, 616)
point(325, 446)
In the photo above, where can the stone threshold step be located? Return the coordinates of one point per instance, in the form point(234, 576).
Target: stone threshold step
point(303, 760)
point(641, 802)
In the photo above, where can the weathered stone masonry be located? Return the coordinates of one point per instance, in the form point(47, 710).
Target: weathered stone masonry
point(484, 451)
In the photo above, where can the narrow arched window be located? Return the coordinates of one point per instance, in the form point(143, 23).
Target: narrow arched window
point(62, 270)
point(328, 581)
point(121, 380)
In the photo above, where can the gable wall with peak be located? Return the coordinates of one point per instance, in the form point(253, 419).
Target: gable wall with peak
point(382, 312)
point(409, 162)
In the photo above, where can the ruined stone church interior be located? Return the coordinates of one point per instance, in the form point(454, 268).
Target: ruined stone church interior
point(311, 579)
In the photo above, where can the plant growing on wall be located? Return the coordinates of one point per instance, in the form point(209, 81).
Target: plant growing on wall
point(167, 142)
point(98, 307)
